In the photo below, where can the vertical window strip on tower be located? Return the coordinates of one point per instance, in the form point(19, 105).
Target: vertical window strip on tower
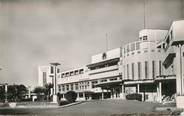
point(132, 71)
point(146, 69)
point(153, 69)
point(139, 70)
point(127, 71)
point(160, 69)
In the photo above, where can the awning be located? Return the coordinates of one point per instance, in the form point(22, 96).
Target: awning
point(103, 62)
point(138, 82)
point(165, 77)
point(109, 84)
point(169, 60)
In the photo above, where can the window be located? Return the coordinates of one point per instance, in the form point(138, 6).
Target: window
point(153, 69)
point(145, 51)
point(124, 71)
point(76, 72)
point(145, 38)
point(67, 87)
point(67, 74)
point(128, 48)
point(146, 69)
point(80, 95)
point(104, 80)
point(133, 71)
point(59, 87)
point(104, 56)
point(139, 70)
point(63, 88)
point(127, 71)
point(113, 79)
point(160, 68)
point(71, 86)
point(51, 69)
point(137, 45)
point(132, 47)
point(81, 71)
point(171, 34)
point(71, 73)
point(76, 86)
point(93, 83)
point(44, 78)
point(58, 70)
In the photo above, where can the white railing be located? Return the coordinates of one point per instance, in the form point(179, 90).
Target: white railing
point(101, 70)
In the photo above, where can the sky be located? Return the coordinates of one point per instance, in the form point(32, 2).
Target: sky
point(38, 32)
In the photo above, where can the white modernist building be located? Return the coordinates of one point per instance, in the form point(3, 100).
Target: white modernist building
point(152, 66)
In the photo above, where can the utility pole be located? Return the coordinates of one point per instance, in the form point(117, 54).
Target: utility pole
point(145, 8)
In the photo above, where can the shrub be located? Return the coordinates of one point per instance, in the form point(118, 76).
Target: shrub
point(63, 103)
point(134, 96)
point(71, 96)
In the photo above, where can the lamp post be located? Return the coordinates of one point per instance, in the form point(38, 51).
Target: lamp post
point(54, 80)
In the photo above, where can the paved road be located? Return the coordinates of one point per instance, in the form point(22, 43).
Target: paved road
point(91, 108)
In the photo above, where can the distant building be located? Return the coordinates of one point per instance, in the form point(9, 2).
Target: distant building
point(150, 66)
point(44, 73)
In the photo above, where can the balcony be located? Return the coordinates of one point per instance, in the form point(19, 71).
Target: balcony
point(169, 57)
point(103, 70)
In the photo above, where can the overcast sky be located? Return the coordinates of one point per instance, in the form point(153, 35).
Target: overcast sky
point(36, 33)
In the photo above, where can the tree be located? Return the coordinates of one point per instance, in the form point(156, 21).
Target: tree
point(2, 95)
point(21, 91)
point(40, 92)
point(71, 96)
point(48, 87)
point(16, 92)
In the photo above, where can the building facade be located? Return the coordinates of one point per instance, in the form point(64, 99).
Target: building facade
point(150, 66)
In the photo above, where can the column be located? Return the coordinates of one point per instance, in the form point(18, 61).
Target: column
point(114, 95)
point(6, 92)
point(138, 90)
point(84, 96)
point(123, 91)
point(111, 93)
point(102, 94)
point(159, 92)
point(179, 62)
point(78, 96)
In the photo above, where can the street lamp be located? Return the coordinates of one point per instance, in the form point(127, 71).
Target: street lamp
point(54, 80)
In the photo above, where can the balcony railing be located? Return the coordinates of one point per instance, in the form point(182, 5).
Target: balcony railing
point(103, 70)
point(169, 56)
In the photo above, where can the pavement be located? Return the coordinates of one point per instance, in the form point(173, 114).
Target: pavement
point(92, 108)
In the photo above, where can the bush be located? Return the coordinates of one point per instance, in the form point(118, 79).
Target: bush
point(63, 103)
point(134, 96)
point(71, 96)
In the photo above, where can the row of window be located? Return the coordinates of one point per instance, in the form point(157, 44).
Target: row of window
point(144, 38)
point(83, 85)
point(145, 51)
point(52, 70)
point(132, 47)
point(74, 86)
point(139, 69)
point(104, 65)
point(72, 73)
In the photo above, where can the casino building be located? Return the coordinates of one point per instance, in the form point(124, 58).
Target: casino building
point(151, 66)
